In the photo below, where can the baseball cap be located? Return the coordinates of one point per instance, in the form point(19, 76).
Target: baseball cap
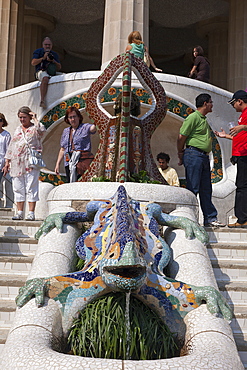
point(240, 94)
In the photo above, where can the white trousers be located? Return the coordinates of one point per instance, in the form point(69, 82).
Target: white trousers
point(26, 187)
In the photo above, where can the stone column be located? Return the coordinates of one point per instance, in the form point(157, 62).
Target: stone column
point(121, 18)
point(216, 30)
point(37, 25)
point(10, 27)
point(237, 45)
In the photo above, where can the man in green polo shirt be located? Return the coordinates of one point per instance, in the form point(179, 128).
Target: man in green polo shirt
point(195, 137)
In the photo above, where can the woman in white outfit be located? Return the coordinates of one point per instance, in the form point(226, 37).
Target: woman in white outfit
point(4, 142)
point(25, 179)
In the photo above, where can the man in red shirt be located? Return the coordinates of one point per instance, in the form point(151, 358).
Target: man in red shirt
point(238, 135)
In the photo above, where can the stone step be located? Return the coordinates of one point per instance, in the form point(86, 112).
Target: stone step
point(14, 245)
point(239, 321)
point(227, 235)
point(7, 312)
point(227, 251)
point(243, 357)
point(6, 212)
point(230, 270)
point(235, 292)
point(10, 284)
point(241, 342)
point(19, 228)
point(3, 335)
point(15, 264)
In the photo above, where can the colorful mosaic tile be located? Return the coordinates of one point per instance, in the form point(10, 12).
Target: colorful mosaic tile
point(123, 251)
point(52, 178)
point(110, 95)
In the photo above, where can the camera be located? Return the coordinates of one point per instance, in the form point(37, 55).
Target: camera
point(50, 56)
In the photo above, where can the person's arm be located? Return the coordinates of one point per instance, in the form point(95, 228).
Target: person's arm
point(152, 62)
point(59, 160)
point(180, 146)
point(93, 129)
point(223, 134)
point(128, 47)
point(6, 167)
point(175, 180)
point(193, 70)
point(35, 61)
point(236, 129)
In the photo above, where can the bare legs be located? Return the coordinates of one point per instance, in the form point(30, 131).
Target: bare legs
point(31, 206)
point(43, 90)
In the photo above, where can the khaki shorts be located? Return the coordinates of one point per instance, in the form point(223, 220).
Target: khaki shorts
point(40, 74)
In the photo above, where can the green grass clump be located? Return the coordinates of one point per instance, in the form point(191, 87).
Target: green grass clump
point(142, 177)
point(100, 331)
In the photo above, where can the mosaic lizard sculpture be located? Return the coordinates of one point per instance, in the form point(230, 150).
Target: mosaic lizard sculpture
point(123, 251)
point(125, 141)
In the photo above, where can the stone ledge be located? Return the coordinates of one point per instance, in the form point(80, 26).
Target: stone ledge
point(229, 263)
point(9, 222)
point(3, 335)
point(19, 239)
point(12, 280)
point(226, 245)
point(16, 259)
point(7, 305)
point(240, 286)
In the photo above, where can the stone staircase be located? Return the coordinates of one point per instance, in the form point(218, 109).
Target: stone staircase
point(17, 250)
point(228, 253)
point(227, 250)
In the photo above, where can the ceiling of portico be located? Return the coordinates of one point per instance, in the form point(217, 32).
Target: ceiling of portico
point(173, 30)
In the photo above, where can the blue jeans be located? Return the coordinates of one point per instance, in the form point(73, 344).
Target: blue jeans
point(198, 180)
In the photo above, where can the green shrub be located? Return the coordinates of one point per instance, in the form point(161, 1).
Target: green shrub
point(100, 331)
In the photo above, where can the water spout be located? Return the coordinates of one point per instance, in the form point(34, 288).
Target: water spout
point(127, 323)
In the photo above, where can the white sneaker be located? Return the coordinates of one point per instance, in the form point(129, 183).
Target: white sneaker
point(215, 223)
point(30, 217)
point(17, 217)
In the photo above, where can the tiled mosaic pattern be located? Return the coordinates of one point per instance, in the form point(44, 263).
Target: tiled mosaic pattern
point(208, 345)
point(52, 178)
point(117, 251)
point(107, 163)
point(148, 122)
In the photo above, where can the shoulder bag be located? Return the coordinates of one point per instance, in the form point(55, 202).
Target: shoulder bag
point(35, 160)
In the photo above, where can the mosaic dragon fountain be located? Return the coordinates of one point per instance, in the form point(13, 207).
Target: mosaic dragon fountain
point(123, 251)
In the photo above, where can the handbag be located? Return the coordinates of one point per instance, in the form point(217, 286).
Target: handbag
point(84, 162)
point(35, 160)
point(146, 58)
point(51, 69)
point(85, 159)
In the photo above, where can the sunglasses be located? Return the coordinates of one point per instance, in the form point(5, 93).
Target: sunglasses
point(1, 120)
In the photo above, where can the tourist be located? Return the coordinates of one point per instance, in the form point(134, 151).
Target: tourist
point(25, 179)
point(75, 145)
point(201, 67)
point(5, 138)
point(195, 134)
point(47, 64)
point(169, 173)
point(137, 47)
point(238, 135)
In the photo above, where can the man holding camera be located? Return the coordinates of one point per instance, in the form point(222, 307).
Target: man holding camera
point(46, 63)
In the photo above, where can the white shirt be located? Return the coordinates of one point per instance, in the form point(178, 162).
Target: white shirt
point(4, 143)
